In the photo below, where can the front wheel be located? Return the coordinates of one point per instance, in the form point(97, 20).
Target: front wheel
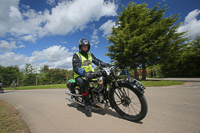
point(128, 103)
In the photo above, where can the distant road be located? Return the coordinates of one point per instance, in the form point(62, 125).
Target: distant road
point(174, 109)
point(178, 79)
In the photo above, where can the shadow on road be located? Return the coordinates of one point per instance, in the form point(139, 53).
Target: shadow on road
point(100, 111)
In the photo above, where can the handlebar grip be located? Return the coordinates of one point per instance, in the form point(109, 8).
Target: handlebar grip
point(96, 74)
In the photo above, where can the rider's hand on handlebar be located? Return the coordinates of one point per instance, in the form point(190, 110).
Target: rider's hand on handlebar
point(105, 64)
point(88, 75)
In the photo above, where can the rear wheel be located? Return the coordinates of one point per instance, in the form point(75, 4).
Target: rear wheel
point(128, 103)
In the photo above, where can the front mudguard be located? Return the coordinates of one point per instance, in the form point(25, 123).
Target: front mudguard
point(136, 88)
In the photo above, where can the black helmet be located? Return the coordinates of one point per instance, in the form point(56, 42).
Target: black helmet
point(83, 42)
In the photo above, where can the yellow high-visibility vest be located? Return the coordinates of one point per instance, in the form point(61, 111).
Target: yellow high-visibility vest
point(86, 64)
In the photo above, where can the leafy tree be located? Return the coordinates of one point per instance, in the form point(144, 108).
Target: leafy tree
point(9, 75)
point(29, 75)
point(44, 69)
point(143, 37)
point(54, 76)
point(185, 63)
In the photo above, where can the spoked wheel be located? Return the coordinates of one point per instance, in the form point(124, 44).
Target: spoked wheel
point(128, 103)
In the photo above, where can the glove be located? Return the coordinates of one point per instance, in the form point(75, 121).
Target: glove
point(88, 75)
point(81, 72)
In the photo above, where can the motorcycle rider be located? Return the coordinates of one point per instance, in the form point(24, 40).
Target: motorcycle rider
point(82, 67)
point(1, 88)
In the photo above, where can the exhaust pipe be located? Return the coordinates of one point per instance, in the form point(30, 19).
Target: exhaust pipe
point(72, 94)
point(73, 100)
point(101, 105)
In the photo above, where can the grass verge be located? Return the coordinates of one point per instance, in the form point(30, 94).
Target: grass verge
point(161, 83)
point(10, 120)
point(53, 86)
point(59, 86)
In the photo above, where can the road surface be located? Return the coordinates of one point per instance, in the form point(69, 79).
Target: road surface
point(173, 109)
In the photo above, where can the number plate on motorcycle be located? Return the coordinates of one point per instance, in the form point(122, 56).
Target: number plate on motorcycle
point(137, 83)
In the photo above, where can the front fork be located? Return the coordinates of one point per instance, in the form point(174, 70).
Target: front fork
point(112, 87)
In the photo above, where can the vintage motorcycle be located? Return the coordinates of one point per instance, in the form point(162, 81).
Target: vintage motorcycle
point(109, 90)
point(1, 88)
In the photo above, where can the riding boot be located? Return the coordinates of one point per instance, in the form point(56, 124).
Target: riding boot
point(87, 105)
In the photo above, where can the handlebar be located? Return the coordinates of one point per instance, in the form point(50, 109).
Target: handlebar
point(102, 71)
point(96, 74)
point(103, 65)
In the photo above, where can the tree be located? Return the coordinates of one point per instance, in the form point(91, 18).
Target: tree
point(44, 69)
point(189, 59)
point(10, 74)
point(29, 75)
point(185, 63)
point(143, 37)
point(54, 76)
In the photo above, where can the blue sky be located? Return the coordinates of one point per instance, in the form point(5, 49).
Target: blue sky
point(46, 32)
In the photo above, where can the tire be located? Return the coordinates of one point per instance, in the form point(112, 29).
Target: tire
point(128, 103)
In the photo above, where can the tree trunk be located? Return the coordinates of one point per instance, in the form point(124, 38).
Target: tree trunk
point(136, 74)
point(144, 74)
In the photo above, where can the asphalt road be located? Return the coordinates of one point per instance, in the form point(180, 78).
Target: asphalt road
point(174, 109)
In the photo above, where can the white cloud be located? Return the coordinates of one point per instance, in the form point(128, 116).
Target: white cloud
point(191, 24)
point(8, 46)
point(54, 57)
point(107, 27)
point(96, 47)
point(5, 12)
point(75, 48)
point(95, 38)
point(12, 59)
point(70, 16)
point(28, 38)
point(51, 2)
point(19, 23)
point(64, 42)
point(64, 18)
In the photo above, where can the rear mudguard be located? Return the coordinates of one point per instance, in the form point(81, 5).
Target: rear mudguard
point(71, 85)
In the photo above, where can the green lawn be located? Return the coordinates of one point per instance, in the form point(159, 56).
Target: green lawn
point(161, 83)
point(57, 86)
point(53, 86)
